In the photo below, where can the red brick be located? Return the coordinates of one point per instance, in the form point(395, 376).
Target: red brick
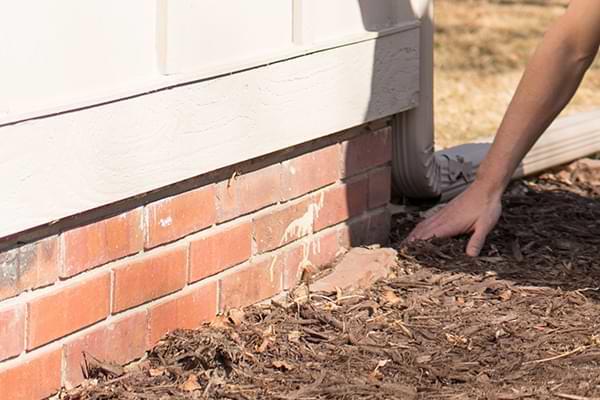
point(341, 203)
point(67, 309)
point(251, 284)
point(379, 228)
point(367, 151)
point(380, 187)
point(249, 192)
point(147, 279)
point(354, 233)
point(228, 200)
point(175, 217)
point(102, 242)
point(318, 253)
point(214, 253)
point(28, 267)
point(284, 225)
point(311, 171)
point(36, 378)
point(12, 331)
point(186, 311)
point(118, 342)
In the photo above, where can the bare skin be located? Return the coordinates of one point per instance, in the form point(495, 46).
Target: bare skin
point(548, 84)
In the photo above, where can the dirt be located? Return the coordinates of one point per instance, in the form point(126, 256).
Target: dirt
point(520, 322)
point(481, 49)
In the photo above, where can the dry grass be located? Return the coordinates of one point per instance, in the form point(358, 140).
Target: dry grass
point(482, 47)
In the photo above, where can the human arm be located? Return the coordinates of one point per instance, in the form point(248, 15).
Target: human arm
point(549, 82)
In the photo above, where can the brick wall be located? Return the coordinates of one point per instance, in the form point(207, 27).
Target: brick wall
point(115, 286)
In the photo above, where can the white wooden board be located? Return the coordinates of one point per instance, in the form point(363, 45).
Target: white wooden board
point(333, 19)
point(59, 166)
point(57, 52)
point(208, 33)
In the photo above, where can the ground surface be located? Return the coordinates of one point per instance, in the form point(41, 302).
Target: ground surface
point(520, 322)
point(481, 49)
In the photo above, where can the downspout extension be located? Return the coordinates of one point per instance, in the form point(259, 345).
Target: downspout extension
point(420, 173)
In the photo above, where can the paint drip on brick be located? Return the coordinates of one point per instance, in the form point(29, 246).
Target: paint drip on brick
point(300, 227)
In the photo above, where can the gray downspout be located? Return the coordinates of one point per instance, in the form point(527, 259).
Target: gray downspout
point(418, 171)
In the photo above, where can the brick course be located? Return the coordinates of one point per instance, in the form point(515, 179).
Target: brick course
point(216, 252)
point(341, 203)
point(311, 171)
point(367, 151)
point(119, 341)
point(238, 290)
point(67, 309)
point(29, 267)
point(12, 331)
point(185, 310)
point(101, 242)
point(174, 217)
point(37, 377)
point(149, 278)
point(114, 287)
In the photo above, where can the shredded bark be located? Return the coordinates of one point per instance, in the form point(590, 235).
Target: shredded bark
point(520, 322)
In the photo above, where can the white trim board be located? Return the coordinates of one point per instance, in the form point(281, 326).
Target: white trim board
point(163, 82)
point(62, 165)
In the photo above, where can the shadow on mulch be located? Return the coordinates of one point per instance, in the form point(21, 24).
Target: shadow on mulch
point(548, 235)
point(520, 322)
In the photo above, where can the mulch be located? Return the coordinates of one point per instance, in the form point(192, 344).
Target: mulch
point(520, 322)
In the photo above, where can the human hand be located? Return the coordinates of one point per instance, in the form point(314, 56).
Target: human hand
point(474, 212)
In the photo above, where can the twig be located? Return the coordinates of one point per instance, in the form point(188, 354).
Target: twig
point(574, 397)
point(563, 355)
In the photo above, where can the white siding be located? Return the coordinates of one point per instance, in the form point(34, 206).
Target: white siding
point(334, 19)
point(209, 33)
point(56, 52)
point(58, 166)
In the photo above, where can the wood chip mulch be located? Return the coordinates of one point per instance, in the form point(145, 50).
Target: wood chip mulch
point(520, 322)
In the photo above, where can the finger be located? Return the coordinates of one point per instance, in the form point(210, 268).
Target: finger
point(421, 231)
point(476, 242)
point(441, 228)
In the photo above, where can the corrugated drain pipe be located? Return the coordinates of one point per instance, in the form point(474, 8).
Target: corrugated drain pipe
point(421, 173)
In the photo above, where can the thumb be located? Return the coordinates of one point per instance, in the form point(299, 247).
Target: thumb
point(476, 242)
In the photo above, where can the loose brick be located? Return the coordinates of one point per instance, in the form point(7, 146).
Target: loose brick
point(218, 251)
point(380, 187)
point(284, 225)
point(251, 284)
point(341, 203)
point(149, 278)
point(319, 252)
point(101, 242)
point(28, 267)
point(12, 331)
point(120, 341)
point(175, 217)
point(311, 171)
point(185, 311)
point(68, 309)
point(358, 269)
point(367, 151)
point(36, 378)
point(249, 192)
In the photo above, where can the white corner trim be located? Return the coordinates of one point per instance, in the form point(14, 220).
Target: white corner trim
point(58, 166)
